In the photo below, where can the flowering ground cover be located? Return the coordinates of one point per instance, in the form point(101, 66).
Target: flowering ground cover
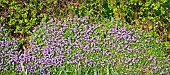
point(78, 46)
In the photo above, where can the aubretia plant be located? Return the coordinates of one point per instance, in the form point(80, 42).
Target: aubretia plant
point(76, 46)
point(8, 52)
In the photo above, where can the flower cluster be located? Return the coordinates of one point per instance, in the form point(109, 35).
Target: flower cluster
point(8, 51)
point(75, 41)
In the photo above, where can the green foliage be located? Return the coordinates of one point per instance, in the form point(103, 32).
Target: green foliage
point(167, 44)
point(98, 8)
point(152, 49)
point(134, 10)
point(21, 16)
point(4, 72)
point(150, 14)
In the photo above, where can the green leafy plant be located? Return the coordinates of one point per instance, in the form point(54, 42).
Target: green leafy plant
point(152, 15)
point(22, 16)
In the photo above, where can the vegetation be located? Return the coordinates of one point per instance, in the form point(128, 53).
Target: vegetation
point(84, 37)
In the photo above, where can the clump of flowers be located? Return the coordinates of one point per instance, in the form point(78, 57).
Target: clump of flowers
point(8, 51)
point(75, 41)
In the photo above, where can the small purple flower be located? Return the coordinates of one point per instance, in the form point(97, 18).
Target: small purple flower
point(65, 25)
point(1, 67)
point(15, 58)
point(150, 58)
point(154, 59)
point(167, 69)
point(101, 63)
point(82, 20)
point(19, 68)
point(75, 30)
point(163, 73)
point(133, 60)
point(167, 60)
point(156, 69)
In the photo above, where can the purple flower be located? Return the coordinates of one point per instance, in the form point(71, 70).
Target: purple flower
point(54, 49)
point(167, 69)
point(133, 60)
point(150, 58)
point(19, 68)
point(163, 73)
point(167, 60)
point(154, 59)
point(15, 58)
point(82, 20)
point(75, 30)
point(65, 25)
point(156, 69)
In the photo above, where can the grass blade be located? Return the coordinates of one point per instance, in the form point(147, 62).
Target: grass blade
point(79, 70)
point(87, 71)
point(95, 71)
point(108, 70)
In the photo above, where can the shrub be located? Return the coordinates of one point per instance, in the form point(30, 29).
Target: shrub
point(146, 14)
point(21, 16)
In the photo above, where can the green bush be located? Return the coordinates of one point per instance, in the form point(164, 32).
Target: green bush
point(20, 16)
point(148, 14)
point(144, 14)
point(97, 8)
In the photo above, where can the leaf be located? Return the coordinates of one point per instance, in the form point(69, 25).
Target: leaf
point(150, 27)
point(62, 70)
point(26, 20)
point(95, 71)
point(20, 21)
point(169, 36)
point(23, 69)
point(45, 18)
point(167, 44)
point(87, 71)
point(108, 73)
point(79, 70)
